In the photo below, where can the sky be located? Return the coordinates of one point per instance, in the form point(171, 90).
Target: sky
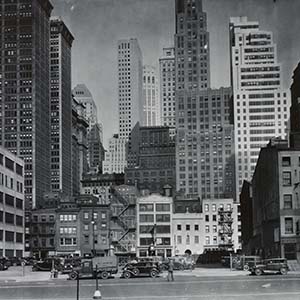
point(97, 25)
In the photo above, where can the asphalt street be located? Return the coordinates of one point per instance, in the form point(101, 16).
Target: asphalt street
point(273, 287)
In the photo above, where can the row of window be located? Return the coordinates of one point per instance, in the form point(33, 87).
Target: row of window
point(11, 236)
point(158, 207)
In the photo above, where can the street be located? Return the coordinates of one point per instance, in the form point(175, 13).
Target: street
point(273, 287)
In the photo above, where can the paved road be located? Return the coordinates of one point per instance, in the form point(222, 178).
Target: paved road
point(184, 288)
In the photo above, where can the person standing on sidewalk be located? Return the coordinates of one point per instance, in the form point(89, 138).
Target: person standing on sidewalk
point(171, 270)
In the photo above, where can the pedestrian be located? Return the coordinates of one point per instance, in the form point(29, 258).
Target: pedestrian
point(171, 270)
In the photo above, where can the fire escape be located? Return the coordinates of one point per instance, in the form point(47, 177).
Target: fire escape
point(123, 238)
point(225, 229)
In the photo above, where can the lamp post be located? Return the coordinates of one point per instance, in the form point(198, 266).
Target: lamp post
point(93, 235)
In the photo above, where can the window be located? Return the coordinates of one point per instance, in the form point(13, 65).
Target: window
point(196, 239)
point(146, 207)
point(146, 218)
point(187, 239)
point(86, 215)
point(288, 222)
point(187, 227)
point(163, 218)
point(86, 227)
point(19, 169)
point(286, 178)
point(163, 207)
point(213, 207)
point(215, 240)
point(179, 227)
point(214, 228)
point(206, 229)
point(9, 236)
point(206, 207)
point(9, 163)
point(287, 202)
point(206, 218)
point(179, 239)
point(196, 227)
point(207, 240)
point(286, 161)
point(163, 229)
point(214, 218)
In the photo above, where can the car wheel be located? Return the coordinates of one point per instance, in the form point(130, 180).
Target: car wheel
point(258, 272)
point(246, 268)
point(136, 272)
point(34, 269)
point(153, 273)
point(283, 271)
point(126, 274)
point(73, 275)
point(104, 275)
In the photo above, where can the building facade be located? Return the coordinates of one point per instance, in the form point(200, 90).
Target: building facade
point(12, 206)
point(204, 149)
point(154, 225)
point(276, 202)
point(150, 158)
point(260, 104)
point(100, 185)
point(25, 91)
point(115, 157)
point(94, 137)
point(167, 87)
point(60, 106)
point(79, 145)
point(130, 85)
point(295, 110)
point(151, 105)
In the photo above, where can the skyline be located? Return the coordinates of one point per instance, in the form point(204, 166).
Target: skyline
point(101, 23)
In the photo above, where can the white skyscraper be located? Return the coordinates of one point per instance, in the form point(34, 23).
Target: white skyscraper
point(167, 87)
point(151, 103)
point(260, 104)
point(115, 159)
point(130, 85)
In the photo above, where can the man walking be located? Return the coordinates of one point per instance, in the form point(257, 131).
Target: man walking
point(170, 270)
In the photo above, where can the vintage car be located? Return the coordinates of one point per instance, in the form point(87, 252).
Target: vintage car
point(48, 264)
point(135, 269)
point(244, 262)
point(4, 263)
point(272, 265)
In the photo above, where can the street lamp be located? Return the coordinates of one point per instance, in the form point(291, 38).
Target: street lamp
point(93, 233)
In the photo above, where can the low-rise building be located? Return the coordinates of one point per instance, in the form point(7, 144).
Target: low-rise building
point(276, 201)
point(154, 225)
point(11, 204)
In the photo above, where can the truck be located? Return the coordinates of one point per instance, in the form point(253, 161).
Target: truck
point(99, 266)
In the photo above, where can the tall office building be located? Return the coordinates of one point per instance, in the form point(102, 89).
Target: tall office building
point(204, 150)
point(94, 136)
point(260, 104)
point(60, 106)
point(151, 103)
point(115, 156)
point(24, 100)
point(167, 87)
point(191, 46)
point(130, 85)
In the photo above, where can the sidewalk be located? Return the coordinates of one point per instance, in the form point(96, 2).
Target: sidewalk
point(15, 274)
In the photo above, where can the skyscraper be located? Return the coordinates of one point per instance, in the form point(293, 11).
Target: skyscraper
point(167, 87)
point(260, 104)
point(60, 106)
point(24, 100)
point(191, 46)
point(95, 148)
point(130, 85)
point(151, 103)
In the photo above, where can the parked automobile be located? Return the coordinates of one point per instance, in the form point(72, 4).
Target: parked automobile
point(135, 269)
point(29, 261)
point(180, 263)
point(15, 261)
point(3, 263)
point(70, 263)
point(244, 262)
point(48, 264)
point(273, 265)
point(100, 266)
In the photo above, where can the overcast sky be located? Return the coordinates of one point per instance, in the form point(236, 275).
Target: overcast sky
point(97, 25)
